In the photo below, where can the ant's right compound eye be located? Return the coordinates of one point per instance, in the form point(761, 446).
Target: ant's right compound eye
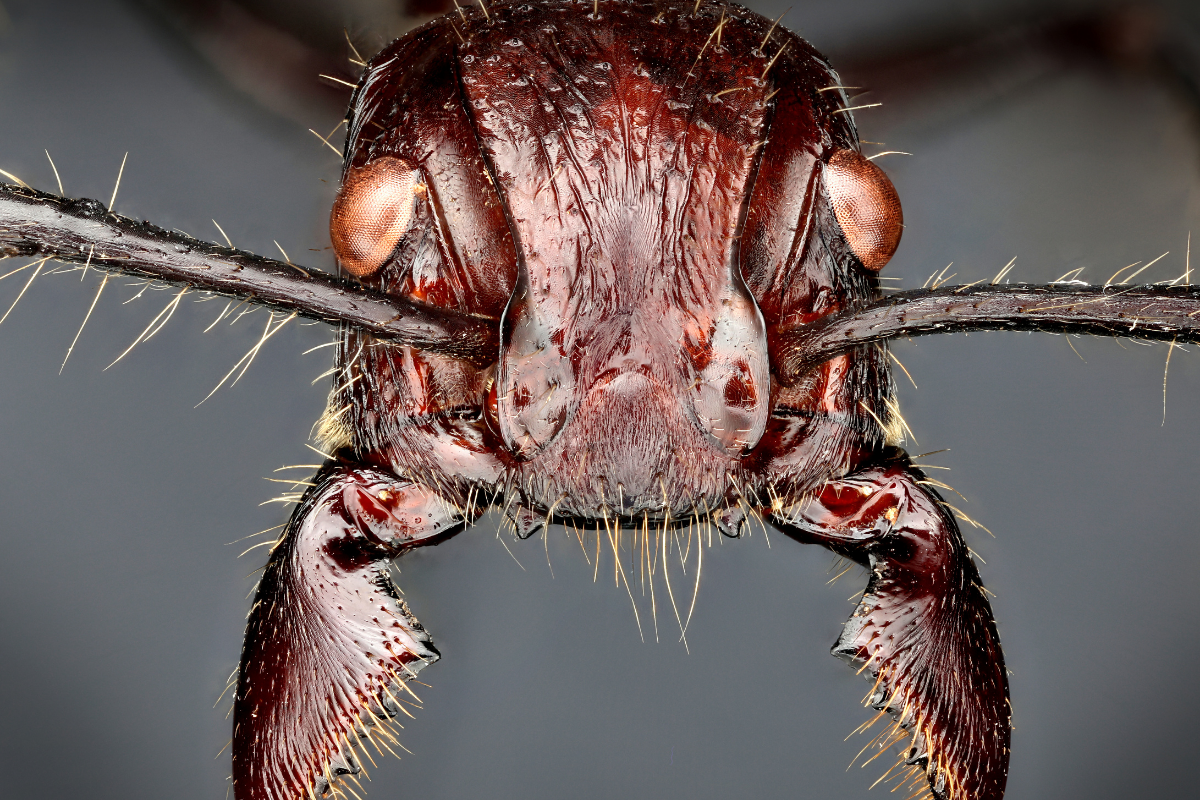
point(372, 213)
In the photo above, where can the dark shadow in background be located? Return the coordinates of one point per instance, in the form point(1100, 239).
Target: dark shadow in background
point(121, 607)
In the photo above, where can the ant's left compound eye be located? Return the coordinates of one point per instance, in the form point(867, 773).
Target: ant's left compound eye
point(372, 213)
point(866, 206)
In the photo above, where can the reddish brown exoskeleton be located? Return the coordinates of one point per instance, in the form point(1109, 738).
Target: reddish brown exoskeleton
point(330, 647)
point(636, 196)
point(604, 264)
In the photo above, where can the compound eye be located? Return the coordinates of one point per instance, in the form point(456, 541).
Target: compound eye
point(371, 214)
point(866, 206)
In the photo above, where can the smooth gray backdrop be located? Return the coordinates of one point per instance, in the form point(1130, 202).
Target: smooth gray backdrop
point(121, 605)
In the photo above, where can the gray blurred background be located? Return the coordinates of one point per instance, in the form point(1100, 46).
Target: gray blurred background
point(1063, 134)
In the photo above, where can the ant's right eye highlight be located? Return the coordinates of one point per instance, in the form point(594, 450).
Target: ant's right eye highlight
point(372, 213)
point(866, 206)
